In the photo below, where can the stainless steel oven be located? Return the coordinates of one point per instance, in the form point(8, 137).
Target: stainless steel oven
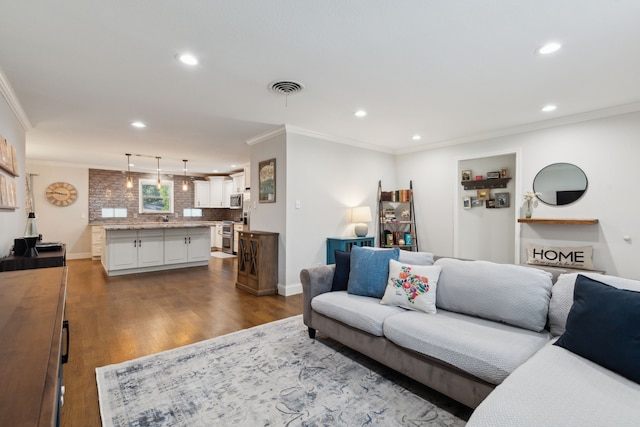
point(227, 237)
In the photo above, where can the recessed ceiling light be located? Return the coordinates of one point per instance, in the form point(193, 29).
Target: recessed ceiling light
point(215, 171)
point(188, 59)
point(233, 166)
point(360, 113)
point(549, 108)
point(138, 125)
point(549, 48)
point(416, 137)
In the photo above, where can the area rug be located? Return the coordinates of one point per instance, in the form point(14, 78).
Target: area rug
point(269, 375)
point(222, 255)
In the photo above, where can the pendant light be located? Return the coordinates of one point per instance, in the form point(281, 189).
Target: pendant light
point(185, 186)
point(159, 183)
point(129, 180)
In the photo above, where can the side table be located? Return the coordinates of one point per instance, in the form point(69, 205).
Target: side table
point(345, 244)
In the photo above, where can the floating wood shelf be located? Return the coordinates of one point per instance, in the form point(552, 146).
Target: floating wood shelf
point(557, 221)
point(485, 183)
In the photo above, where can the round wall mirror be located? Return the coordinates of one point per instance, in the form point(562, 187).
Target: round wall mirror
point(560, 184)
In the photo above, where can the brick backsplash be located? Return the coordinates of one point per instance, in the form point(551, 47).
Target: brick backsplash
point(107, 189)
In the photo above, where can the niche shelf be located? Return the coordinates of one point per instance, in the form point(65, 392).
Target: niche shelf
point(485, 183)
point(590, 221)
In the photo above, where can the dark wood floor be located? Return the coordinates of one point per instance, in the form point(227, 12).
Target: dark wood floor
point(113, 319)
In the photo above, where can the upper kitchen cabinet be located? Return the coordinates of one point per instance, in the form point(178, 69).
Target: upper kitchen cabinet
point(220, 191)
point(238, 182)
point(202, 192)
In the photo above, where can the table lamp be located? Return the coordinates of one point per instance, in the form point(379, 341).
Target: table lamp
point(31, 236)
point(360, 215)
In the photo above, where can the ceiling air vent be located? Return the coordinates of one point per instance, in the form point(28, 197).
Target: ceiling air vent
point(286, 87)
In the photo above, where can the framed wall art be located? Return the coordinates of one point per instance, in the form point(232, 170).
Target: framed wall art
point(267, 181)
point(483, 194)
point(502, 200)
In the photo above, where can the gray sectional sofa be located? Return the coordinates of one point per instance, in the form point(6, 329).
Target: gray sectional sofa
point(488, 346)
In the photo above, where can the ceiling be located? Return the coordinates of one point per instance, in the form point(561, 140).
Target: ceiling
point(450, 71)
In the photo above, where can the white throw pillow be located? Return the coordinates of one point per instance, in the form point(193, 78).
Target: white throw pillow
point(580, 257)
point(412, 286)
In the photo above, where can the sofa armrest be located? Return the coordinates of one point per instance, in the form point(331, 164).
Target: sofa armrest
point(315, 281)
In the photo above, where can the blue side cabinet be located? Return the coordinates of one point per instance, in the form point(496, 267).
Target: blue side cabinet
point(345, 244)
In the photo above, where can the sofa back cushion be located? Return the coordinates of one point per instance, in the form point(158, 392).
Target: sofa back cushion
point(507, 293)
point(562, 296)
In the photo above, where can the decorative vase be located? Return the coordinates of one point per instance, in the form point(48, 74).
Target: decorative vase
point(527, 212)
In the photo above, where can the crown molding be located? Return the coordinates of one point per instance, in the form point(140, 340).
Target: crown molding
point(289, 129)
point(9, 95)
point(530, 127)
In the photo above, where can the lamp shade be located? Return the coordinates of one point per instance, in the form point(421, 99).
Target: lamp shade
point(361, 214)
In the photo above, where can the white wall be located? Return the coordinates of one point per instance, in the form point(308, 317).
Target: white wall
point(67, 224)
point(12, 222)
point(327, 179)
point(606, 149)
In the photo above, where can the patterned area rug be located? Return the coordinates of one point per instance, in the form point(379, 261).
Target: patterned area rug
point(270, 375)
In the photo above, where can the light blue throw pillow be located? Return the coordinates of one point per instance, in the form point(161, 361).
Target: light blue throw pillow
point(370, 270)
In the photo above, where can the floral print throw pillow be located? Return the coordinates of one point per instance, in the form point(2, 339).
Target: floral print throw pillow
point(412, 286)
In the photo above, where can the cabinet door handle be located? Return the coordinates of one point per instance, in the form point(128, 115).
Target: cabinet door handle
point(189, 240)
point(135, 243)
point(140, 243)
point(65, 328)
point(185, 240)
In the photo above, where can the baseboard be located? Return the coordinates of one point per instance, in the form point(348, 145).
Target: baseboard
point(79, 255)
point(291, 289)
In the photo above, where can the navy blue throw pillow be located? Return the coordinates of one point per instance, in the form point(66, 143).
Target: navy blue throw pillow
point(341, 275)
point(603, 326)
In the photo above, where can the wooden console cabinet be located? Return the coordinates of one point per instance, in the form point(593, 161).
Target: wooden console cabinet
point(32, 330)
point(258, 262)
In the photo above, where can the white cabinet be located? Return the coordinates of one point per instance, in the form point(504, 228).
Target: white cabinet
point(202, 193)
point(216, 233)
point(187, 245)
point(236, 229)
point(228, 190)
point(96, 241)
point(132, 249)
point(217, 191)
point(238, 182)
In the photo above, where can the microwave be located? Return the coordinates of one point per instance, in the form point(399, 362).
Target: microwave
point(236, 201)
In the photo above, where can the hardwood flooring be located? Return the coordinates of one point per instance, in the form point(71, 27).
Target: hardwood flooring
point(114, 319)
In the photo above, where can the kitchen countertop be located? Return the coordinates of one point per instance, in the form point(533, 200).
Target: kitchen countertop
point(155, 225)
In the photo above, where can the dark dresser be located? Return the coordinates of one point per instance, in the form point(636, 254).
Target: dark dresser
point(33, 333)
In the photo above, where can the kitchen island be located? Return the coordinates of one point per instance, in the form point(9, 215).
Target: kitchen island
point(143, 247)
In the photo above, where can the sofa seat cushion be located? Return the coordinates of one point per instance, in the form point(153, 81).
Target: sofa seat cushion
point(483, 348)
point(364, 313)
point(558, 388)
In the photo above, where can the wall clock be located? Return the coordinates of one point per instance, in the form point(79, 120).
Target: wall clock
point(61, 194)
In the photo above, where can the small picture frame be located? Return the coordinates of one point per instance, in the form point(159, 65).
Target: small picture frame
point(466, 175)
point(504, 173)
point(490, 204)
point(267, 181)
point(475, 202)
point(466, 203)
point(483, 194)
point(502, 200)
point(493, 175)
